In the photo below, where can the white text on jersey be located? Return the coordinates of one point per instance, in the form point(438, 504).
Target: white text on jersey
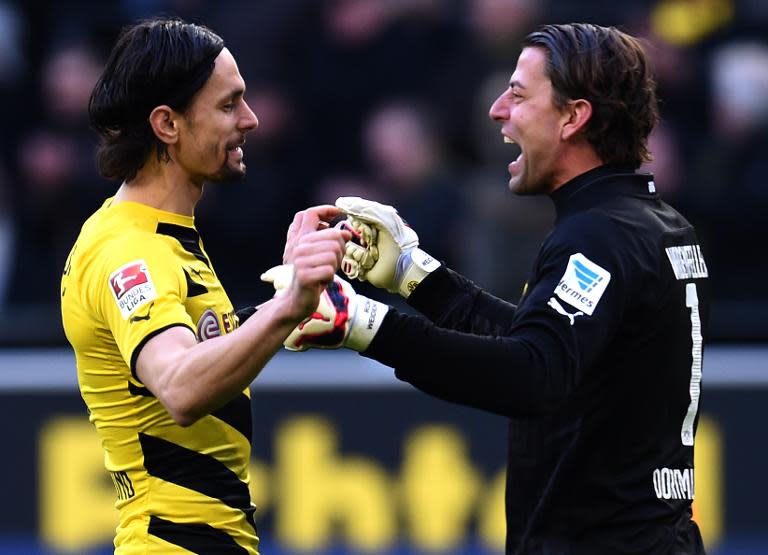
point(673, 483)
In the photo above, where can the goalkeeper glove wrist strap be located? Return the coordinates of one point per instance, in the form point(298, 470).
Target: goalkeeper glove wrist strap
point(367, 319)
point(414, 266)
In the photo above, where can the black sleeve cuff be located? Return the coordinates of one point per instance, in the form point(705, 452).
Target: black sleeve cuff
point(150, 335)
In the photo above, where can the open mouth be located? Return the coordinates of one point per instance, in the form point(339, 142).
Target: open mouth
point(516, 166)
point(236, 149)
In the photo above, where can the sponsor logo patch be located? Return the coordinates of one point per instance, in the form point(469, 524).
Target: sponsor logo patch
point(208, 325)
point(132, 287)
point(583, 283)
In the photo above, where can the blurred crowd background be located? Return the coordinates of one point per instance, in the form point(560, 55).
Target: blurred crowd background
point(386, 99)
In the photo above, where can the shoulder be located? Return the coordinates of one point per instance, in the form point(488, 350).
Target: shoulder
point(120, 228)
point(128, 255)
point(128, 242)
point(590, 231)
point(591, 247)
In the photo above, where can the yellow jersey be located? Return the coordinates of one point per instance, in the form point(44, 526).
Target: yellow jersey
point(134, 272)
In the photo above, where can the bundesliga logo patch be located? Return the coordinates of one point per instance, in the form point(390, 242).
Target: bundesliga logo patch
point(131, 287)
point(583, 283)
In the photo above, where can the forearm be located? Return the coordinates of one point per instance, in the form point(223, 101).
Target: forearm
point(200, 377)
point(386, 254)
point(527, 373)
point(452, 301)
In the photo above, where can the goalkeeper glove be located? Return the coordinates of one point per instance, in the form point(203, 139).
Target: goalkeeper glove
point(384, 250)
point(342, 317)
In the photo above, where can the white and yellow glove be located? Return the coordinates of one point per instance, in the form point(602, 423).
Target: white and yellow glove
point(342, 318)
point(384, 250)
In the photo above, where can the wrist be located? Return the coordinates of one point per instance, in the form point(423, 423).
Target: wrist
point(366, 318)
point(287, 311)
point(413, 266)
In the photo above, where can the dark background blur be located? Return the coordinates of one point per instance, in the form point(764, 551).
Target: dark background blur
point(386, 99)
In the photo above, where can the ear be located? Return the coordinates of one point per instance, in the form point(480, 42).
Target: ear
point(578, 113)
point(164, 124)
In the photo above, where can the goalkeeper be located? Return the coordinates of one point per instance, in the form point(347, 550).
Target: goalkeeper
point(598, 367)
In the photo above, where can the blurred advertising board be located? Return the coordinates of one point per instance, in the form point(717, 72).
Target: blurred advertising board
point(346, 459)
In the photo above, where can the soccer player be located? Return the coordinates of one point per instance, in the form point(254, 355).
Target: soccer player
point(598, 367)
point(164, 363)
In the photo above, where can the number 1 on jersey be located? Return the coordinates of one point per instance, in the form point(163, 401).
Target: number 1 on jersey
point(692, 302)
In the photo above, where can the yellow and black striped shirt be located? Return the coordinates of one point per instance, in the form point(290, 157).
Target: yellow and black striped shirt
point(134, 272)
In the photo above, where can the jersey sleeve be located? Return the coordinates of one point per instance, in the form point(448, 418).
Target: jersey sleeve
point(452, 301)
point(139, 289)
point(560, 328)
point(582, 287)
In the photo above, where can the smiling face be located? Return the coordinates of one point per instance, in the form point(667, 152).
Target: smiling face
point(212, 130)
point(530, 119)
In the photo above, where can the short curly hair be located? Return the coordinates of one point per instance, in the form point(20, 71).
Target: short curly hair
point(610, 69)
point(155, 62)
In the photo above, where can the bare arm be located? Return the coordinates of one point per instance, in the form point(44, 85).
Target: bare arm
point(193, 379)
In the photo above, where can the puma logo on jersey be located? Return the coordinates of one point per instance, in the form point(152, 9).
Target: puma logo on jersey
point(140, 318)
point(560, 310)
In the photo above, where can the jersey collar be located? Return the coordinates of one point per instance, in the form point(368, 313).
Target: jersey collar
point(599, 184)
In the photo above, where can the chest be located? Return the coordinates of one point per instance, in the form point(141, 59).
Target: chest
point(205, 301)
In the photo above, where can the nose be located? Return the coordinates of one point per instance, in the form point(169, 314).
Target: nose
point(499, 109)
point(249, 121)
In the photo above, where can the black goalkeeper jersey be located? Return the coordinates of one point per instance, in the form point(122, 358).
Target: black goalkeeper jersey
point(598, 369)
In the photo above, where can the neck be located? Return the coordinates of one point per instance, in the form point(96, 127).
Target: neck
point(161, 186)
point(576, 160)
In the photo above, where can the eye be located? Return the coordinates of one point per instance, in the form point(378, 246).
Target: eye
point(228, 107)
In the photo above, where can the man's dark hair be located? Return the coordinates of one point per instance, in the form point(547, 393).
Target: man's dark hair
point(610, 69)
point(162, 61)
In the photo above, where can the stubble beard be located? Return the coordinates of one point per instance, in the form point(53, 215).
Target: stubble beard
point(527, 185)
point(519, 184)
point(228, 173)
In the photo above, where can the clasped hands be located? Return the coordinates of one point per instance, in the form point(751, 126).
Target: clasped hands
point(380, 248)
